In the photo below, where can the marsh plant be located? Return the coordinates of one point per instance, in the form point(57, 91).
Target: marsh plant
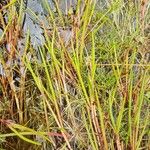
point(74, 75)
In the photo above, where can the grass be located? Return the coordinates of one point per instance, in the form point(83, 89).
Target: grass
point(89, 92)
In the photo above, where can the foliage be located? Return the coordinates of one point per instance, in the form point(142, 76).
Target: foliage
point(86, 87)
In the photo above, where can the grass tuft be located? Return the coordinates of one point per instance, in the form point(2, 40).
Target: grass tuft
point(86, 86)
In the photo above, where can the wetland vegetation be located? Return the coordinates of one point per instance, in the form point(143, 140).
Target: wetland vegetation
point(74, 75)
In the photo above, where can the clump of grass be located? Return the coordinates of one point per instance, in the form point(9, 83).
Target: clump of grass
point(86, 87)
